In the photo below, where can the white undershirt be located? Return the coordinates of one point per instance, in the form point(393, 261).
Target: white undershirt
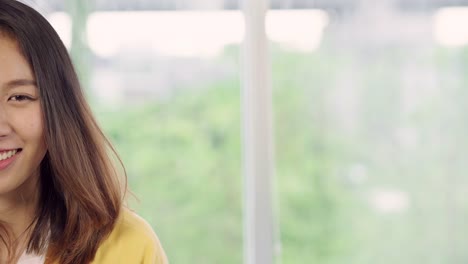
point(31, 259)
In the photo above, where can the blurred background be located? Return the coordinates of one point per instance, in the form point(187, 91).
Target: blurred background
point(370, 102)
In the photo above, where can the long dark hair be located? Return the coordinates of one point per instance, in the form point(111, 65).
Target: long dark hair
point(80, 194)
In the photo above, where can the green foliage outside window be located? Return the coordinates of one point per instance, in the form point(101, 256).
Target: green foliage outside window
point(183, 161)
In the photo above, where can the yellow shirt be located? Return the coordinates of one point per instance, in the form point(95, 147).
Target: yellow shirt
point(131, 242)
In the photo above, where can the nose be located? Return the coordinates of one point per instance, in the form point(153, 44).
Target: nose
point(5, 127)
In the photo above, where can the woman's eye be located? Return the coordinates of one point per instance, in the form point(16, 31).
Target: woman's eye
point(19, 98)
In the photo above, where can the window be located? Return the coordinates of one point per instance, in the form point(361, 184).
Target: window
point(368, 123)
point(163, 79)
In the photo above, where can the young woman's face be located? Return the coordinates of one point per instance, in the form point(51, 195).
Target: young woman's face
point(22, 144)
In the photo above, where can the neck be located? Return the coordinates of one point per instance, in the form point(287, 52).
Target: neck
point(17, 213)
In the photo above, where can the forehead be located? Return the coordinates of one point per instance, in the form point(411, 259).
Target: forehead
point(13, 65)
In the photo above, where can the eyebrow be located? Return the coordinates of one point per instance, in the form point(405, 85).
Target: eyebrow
point(19, 82)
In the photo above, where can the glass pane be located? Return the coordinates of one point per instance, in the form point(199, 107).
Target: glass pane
point(370, 104)
point(163, 79)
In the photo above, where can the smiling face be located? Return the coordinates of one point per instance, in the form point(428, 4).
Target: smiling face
point(22, 144)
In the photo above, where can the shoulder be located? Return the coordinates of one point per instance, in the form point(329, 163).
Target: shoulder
point(132, 241)
point(131, 227)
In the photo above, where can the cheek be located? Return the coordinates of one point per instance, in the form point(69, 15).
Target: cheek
point(36, 125)
point(33, 137)
point(36, 130)
point(29, 126)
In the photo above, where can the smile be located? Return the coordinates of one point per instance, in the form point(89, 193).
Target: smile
point(8, 154)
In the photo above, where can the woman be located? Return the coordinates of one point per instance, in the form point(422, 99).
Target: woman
point(60, 199)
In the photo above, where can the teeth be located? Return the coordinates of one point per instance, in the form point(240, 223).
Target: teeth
point(7, 154)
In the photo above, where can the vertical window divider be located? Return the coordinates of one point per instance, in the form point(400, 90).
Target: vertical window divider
point(257, 137)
